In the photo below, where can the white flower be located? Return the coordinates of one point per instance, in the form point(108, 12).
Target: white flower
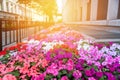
point(86, 46)
point(13, 53)
point(83, 44)
point(50, 45)
point(105, 49)
point(112, 53)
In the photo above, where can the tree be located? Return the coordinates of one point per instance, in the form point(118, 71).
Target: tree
point(48, 7)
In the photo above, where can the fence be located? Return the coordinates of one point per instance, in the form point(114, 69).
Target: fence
point(13, 31)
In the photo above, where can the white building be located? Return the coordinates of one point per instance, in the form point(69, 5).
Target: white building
point(92, 12)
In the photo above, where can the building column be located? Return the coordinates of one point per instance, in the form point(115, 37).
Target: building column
point(113, 6)
point(78, 10)
point(84, 10)
point(4, 8)
point(9, 7)
point(93, 15)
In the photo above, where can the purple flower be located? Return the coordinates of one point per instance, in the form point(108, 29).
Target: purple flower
point(64, 78)
point(81, 61)
point(99, 74)
point(79, 67)
point(118, 70)
point(110, 76)
point(112, 69)
point(92, 71)
point(88, 72)
point(77, 74)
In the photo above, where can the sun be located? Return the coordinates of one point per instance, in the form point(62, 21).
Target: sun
point(60, 5)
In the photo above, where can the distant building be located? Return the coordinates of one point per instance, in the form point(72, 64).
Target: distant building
point(93, 12)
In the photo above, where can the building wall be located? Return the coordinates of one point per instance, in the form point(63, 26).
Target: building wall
point(95, 12)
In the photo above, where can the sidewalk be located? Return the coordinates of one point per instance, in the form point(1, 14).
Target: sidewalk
point(99, 33)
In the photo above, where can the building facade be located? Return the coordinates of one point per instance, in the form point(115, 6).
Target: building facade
point(92, 12)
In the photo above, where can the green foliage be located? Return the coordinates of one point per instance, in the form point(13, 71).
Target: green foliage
point(49, 77)
point(15, 73)
point(32, 63)
point(103, 78)
point(5, 58)
point(17, 63)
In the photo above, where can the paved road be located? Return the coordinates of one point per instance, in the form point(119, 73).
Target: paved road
point(100, 33)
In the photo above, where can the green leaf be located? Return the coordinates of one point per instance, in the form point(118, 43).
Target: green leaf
point(69, 75)
point(17, 63)
point(103, 78)
point(32, 63)
point(65, 60)
point(64, 72)
point(49, 77)
point(5, 58)
point(105, 70)
point(15, 73)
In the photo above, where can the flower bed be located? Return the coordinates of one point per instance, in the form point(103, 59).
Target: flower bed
point(60, 55)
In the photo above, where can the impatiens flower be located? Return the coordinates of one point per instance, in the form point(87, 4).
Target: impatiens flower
point(54, 79)
point(24, 69)
point(110, 76)
point(70, 65)
point(2, 53)
point(9, 77)
point(64, 78)
point(88, 73)
point(44, 63)
point(92, 71)
point(52, 69)
point(91, 78)
point(99, 74)
point(77, 74)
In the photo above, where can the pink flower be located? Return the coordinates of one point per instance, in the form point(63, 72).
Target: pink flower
point(69, 65)
point(2, 67)
point(9, 77)
point(77, 74)
point(64, 78)
point(24, 69)
point(54, 79)
point(52, 69)
point(9, 69)
point(91, 78)
point(44, 63)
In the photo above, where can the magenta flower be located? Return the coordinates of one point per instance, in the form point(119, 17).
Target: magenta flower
point(77, 74)
point(64, 78)
point(99, 74)
point(70, 65)
point(88, 72)
point(91, 78)
point(110, 76)
point(52, 69)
